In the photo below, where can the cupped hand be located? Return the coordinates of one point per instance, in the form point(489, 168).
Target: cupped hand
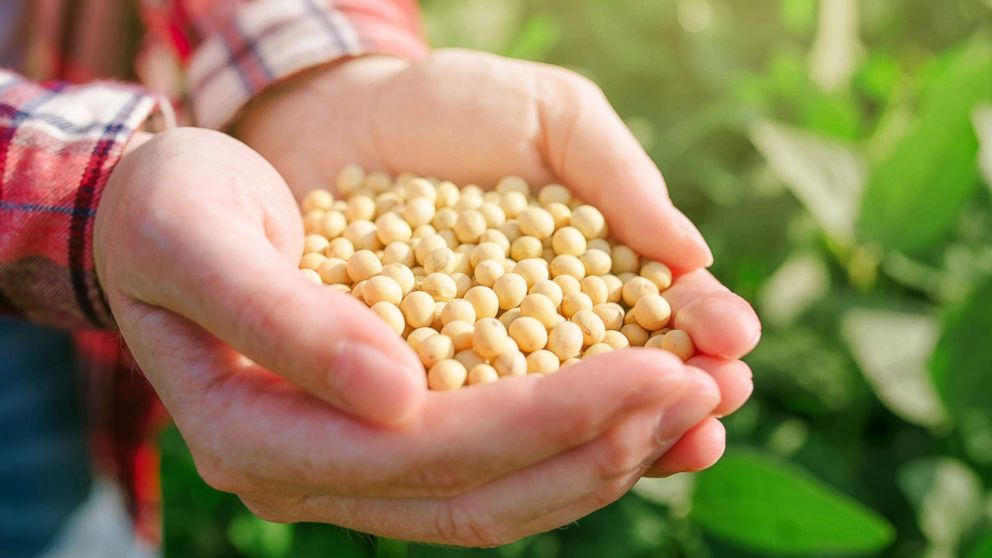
point(474, 118)
point(302, 402)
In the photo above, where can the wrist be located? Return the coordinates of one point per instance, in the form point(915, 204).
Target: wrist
point(338, 87)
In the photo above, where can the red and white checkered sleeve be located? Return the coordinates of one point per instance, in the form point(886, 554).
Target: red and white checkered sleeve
point(248, 46)
point(58, 145)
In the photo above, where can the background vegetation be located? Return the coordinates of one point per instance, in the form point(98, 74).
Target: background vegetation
point(838, 156)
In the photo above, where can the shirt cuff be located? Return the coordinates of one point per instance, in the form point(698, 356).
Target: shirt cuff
point(58, 146)
point(269, 40)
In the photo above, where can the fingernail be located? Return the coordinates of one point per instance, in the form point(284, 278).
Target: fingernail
point(695, 405)
point(692, 233)
point(373, 384)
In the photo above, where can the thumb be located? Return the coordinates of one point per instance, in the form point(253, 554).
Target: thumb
point(322, 340)
point(588, 147)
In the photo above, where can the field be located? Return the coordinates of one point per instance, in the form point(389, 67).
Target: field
point(838, 157)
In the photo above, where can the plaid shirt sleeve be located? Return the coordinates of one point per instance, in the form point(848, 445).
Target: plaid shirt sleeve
point(249, 45)
point(58, 145)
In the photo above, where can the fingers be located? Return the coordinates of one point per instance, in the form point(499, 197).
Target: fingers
point(589, 148)
point(222, 256)
point(546, 495)
point(720, 323)
point(460, 439)
point(699, 449)
point(734, 378)
point(321, 340)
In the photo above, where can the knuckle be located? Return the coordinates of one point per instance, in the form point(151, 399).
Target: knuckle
point(577, 82)
point(274, 512)
point(617, 456)
point(610, 493)
point(461, 523)
point(441, 481)
point(582, 425)
point(219, 477)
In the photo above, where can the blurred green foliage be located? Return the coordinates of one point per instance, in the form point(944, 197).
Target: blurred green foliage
point(838, 156)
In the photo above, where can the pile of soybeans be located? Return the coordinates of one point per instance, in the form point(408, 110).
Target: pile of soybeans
point(485, 285)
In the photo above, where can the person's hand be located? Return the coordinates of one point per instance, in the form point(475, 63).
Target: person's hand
point(303, 403)
point(474, 118)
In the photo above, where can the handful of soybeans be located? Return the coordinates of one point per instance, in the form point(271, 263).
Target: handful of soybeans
point(485, 285)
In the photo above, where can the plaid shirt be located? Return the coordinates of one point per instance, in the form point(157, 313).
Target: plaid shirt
point(59, 143)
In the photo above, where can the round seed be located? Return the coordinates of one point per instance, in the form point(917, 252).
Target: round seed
point(435, 349)
point(635, 334)
point(636, 288)
point(542, 362)
point(530, 334)
point(418, 309)
point(625, 260)
point(510, 363)
point(440, 286)
point(391, 315)
point(482, 374)
point(591, 325)
point(417, 336)
point(615, 339)
point(510, 289)
point(447, 375)
point(589, 221)
point(484, 300)
point(362, 265)
point(575, 302)
point(460, 310)
point(568, 241)
point(536, 222)
point(565, 340)
point(317, 199)
point(489, 338)
point(460, 333)
point(658, 273)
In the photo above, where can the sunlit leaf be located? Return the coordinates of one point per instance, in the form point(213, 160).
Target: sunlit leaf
point(798, 16)
point(260, 539)
point(892, 349)
point(796, 284)
point(674, 492)
point(916, 193)
point(982, 120)
point(827, 176)
point(774, 507)
point(836, 48)
point(947, 496)
point(961, 370)
point(536, 37)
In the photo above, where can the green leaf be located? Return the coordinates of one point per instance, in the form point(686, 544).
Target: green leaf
point(915, 194)
point(899, 377)
point(260, 539)
point(795, 286)
point(981, 549)
point(961, 368)
point(536, 37)
point(799, 16)
point(982, 120)
point(947, 496)
point(774, 507)
point(825, 175)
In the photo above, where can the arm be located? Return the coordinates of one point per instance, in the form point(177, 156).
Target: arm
point(58, 145)
point(234, 50)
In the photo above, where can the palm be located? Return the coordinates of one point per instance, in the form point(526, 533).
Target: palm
point(474, 118)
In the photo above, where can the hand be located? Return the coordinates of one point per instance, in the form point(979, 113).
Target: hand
point(474, 118)
point(196, 241)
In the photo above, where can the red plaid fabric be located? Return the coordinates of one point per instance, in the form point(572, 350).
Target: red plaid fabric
point(59, 143)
